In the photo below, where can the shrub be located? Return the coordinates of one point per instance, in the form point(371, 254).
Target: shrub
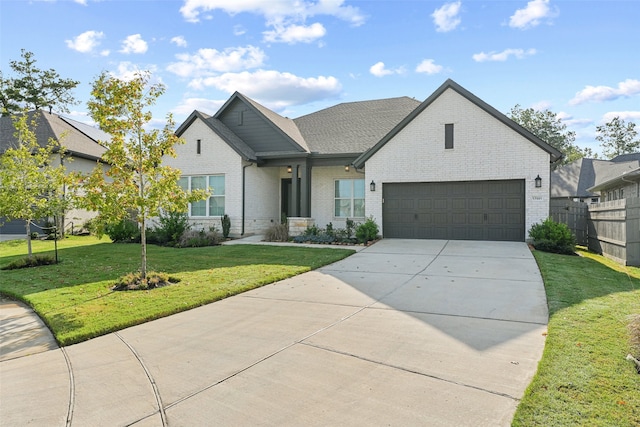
point(551, 236)
point(172, 226)
point(34, 261)
point(226, 225)
point(125, 231)
point(319, 238)
point(196, 239)
point(330, 231)
point(277, 233)
point(312, 230)
point(91, 226)
point(367, 231)
point(350, 226)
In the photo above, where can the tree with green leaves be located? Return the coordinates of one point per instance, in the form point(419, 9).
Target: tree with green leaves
point(618, 137)
point(547, 126)
point(32, 177)
point(136, 184)
point(34, 88)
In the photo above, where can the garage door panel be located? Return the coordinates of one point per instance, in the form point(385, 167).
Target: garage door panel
point(478, 210)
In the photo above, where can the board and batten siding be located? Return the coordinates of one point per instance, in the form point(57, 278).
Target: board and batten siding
point(253, 129)
point(483, 149)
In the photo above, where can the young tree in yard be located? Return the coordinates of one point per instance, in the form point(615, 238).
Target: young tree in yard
point(34, 88)
point(618, 137)
point(136, 183)
point(547, 126)
point(32, 179)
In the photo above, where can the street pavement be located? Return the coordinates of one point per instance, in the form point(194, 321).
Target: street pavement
point(403, 332)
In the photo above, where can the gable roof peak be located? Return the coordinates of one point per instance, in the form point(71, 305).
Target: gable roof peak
point(450, 84)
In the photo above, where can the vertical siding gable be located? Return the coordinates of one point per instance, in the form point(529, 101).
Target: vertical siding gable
point(253, 129)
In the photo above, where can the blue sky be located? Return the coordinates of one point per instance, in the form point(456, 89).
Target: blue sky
point(580, 59)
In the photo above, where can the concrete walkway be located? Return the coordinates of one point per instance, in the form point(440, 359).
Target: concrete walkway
point(404, 332)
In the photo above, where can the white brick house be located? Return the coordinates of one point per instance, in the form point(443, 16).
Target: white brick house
point(389, 159)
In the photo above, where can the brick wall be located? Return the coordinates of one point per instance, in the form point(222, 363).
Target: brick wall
point(484, 149)
point(217, 157)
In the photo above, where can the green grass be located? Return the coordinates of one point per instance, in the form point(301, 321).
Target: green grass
point(583, 378)
point(75, 300)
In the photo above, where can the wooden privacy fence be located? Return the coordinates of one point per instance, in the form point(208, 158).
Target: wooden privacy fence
point(609, 228)
point(614, 230)
point(574, 214)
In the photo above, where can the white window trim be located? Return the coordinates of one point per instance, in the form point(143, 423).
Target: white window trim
point(352, 198)
point(207, 200)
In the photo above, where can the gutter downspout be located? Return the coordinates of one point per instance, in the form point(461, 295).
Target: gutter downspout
point(244, 168)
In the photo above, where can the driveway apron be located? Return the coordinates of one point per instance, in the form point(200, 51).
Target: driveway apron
point(404, 332)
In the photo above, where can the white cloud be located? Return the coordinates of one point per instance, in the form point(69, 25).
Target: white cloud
point(238, 30)
point(205, 105)
point(85, 42)
point(82, 2)
point(543, 105)
point(429, 67)
point(127, 71)
point(275, 89)
point(446, 17)
point(179, 41)
point(134, 44)
point(295, 33)
point(209, 61)
point(625, 89)
point(568, 120)
point(633, 116)
point(378, 69)
point(531, 15)
point(503, 56)
point(274, 10)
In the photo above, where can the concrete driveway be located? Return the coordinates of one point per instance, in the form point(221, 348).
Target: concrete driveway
point(405, 332)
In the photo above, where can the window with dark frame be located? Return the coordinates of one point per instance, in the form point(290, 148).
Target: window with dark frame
point(198, 146)
point(448, 136)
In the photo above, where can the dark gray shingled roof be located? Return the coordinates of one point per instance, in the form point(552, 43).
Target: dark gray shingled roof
point(582, 177)
point(353, 127)
point(79, 139)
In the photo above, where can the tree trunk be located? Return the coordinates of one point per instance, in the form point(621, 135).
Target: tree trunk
point(29, 252)
point(143, 247)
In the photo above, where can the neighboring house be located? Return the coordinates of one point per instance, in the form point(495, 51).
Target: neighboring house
point(82, 152)
point(451, 167)
point(595, 180)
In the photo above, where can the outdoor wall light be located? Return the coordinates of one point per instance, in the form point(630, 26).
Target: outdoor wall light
point(372, 186)
point(538, 181)
point(346, 168)
point(289, 169)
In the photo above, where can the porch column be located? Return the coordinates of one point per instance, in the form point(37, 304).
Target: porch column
point(305, 191)
point(294, 191)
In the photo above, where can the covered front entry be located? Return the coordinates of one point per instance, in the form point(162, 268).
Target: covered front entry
point(468, 210)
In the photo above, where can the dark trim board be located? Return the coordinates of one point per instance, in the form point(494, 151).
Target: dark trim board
point(456, 210)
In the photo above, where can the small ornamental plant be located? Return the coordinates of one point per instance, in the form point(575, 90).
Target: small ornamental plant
point(551, 236)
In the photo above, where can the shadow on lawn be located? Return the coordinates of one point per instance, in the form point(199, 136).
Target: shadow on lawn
point(570, 280)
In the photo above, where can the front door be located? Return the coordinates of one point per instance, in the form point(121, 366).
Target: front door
point(287, 208)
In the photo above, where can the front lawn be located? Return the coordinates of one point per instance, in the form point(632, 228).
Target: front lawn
point(583, 378)
point(75, 300)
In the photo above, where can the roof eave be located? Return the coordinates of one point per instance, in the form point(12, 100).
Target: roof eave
point(631, 174)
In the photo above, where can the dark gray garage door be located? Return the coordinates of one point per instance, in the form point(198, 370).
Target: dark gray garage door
point(469, 210)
